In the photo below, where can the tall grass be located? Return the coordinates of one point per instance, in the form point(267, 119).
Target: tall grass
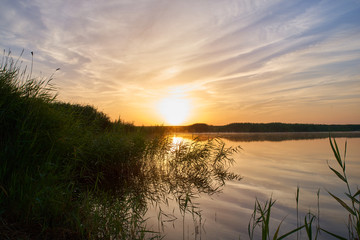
point(352, 206)
point(67, 171)
point(31, 175)
point(54, 156)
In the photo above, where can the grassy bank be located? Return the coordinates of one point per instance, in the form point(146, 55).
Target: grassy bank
point(54, 157)
point(68, 172)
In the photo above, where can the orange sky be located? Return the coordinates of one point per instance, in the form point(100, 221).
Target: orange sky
point(216, 61)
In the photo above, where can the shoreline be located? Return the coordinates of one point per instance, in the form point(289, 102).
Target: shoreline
point(268, 136)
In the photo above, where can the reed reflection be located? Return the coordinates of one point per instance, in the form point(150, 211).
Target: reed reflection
point(172, 169)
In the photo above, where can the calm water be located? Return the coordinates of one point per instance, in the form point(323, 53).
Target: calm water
point(270, 167)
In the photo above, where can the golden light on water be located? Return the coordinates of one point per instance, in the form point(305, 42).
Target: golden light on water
point(174, 110)
point(177, 140)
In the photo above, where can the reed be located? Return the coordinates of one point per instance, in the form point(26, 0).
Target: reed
point(262, 213)
point(67, 171)
point(261, 218)
point(56, 158)
point(352, 205)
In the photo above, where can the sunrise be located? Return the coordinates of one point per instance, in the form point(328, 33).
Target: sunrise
point(147, 119)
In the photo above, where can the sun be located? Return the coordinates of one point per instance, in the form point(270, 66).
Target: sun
point(174, 110)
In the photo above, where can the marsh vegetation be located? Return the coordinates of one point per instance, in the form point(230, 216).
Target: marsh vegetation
point(68, 172)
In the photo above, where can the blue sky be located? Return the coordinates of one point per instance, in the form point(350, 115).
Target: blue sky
point(233, 61)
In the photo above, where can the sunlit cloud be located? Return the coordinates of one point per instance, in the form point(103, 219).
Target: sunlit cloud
point(242, 60)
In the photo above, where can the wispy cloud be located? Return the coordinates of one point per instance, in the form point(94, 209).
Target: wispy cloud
point(249, 60)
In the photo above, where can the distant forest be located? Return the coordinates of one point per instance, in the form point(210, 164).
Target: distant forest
point(264, 127)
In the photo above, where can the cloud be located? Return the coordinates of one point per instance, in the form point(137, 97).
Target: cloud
point(263, 55)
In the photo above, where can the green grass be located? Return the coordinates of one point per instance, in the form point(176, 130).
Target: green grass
point(54, 156)
point(68, 172)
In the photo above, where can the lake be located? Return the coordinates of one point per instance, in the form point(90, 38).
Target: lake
point(271, 165)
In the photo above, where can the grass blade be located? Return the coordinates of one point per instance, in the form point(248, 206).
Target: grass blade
point(357, 193)
point(333, 234)
point(343, 204)
point(277, 230)
point(308, 225)
point(291, 232)
point(352, 198)
point(338, 174)
point(336, 152)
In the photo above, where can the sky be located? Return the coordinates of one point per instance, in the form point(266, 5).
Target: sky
point(208, 61)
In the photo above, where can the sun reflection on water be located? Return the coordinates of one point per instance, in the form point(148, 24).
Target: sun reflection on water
point(177, 140)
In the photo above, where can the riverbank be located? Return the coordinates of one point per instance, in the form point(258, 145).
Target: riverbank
point(68, 172)
point(56, 159)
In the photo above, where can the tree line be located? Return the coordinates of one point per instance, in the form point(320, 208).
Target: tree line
point(265, 127)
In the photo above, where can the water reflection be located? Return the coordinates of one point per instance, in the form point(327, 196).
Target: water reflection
point(189, 189)
point(189, 169)
point(272, 136)
point(269, 168)
point(172, 173)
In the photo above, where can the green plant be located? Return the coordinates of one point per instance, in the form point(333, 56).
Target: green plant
point(309, 218)
point(354, 207)
point(261, 218)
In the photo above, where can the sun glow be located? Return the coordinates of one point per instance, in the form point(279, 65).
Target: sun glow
point(174, 110)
